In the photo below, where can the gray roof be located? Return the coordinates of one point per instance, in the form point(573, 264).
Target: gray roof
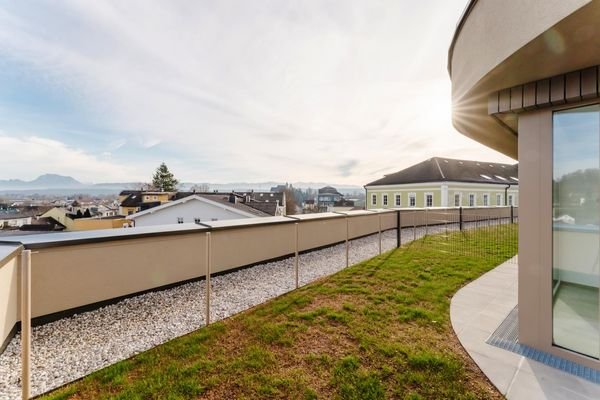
point(224, 199)
point(329, 190)
point(439, 169)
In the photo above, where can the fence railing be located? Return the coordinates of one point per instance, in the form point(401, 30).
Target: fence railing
point(67, 273)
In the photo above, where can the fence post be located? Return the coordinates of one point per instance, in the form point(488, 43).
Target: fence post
point(296, 271)
point(26, 324)
point(379, 233)
point(460, 218)
point(208, 268)
point(512, 214)
point(399, 232)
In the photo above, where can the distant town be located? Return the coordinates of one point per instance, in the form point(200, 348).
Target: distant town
point(55, 203)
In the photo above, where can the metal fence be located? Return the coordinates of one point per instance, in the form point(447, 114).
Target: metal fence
point(482, 235)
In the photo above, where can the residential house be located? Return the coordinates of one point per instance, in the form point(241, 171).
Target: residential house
point(132, 201)
point(446, 182)
point(327, 197)
point(525, 82)
point(72, 222)
point(195, 208)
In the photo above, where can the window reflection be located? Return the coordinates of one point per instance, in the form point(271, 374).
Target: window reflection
point(576, 221)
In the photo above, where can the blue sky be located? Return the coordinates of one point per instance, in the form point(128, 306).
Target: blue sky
point(227, 91)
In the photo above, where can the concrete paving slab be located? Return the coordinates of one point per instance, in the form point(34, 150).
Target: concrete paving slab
point(475, 318)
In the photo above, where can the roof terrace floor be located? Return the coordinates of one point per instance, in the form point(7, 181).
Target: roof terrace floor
point(477, 310)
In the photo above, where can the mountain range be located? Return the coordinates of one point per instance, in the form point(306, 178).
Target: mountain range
point(59, 184)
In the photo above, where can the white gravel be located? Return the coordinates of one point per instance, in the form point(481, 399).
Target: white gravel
point(73, 347)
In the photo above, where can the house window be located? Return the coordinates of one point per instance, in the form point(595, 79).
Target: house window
point(498, 199)
point(154, 197)
point(412, 200)
point(471, 200)
point(486, 200)
point(428, 199)
point(457, 199)
point(373, 199)
point(398, 201)
point(510, 200)
point(180, 220)
point(385, 196)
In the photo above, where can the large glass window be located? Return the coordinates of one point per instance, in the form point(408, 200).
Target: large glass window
point(575, 229)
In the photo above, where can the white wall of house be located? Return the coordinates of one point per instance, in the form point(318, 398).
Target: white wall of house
point(187, 212)
point(14, 222)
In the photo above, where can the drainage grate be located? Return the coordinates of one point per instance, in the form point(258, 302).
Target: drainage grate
point(506, 337)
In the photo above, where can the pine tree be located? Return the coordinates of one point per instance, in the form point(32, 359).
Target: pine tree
point(164, 180)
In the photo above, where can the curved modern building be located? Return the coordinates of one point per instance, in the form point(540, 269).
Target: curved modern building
point(525, 82)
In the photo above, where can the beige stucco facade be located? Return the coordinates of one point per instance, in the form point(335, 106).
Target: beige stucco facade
point(513, 65)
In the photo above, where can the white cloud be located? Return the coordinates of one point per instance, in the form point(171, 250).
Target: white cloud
point(31, 156)
point(255, 90)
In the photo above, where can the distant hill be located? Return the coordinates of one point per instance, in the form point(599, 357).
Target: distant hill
point(47, 181)
point(59, 184)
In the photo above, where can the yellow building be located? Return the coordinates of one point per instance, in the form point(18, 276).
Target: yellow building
point(62, 216)
point(132, 201)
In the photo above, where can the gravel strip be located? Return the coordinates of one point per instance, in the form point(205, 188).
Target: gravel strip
point(73, 347)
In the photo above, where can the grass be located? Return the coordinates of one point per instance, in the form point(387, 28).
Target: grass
point(379, 329)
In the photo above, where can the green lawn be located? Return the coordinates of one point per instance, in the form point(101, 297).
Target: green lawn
point(379, 329)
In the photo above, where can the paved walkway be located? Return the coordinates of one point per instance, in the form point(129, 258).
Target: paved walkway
point(476, 311)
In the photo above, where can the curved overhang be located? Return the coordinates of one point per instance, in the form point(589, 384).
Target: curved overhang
point(498, 45)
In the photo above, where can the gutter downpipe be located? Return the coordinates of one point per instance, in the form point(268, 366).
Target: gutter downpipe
point(508, 185)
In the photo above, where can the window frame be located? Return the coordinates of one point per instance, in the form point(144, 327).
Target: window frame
point(398, 199)
point(426, 197)
point(459, 194)
point(412, 199)
point(474, 197)
point(373, 199)
point(384, 200)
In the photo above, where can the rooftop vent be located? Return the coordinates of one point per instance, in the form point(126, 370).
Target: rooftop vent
point(485, 176)
point(515, 179)
point(500, 177)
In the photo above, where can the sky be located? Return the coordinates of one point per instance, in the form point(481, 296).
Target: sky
point(227, 91)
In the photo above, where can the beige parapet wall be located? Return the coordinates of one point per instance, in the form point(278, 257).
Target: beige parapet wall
point(71, 270)
point(9, 294)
